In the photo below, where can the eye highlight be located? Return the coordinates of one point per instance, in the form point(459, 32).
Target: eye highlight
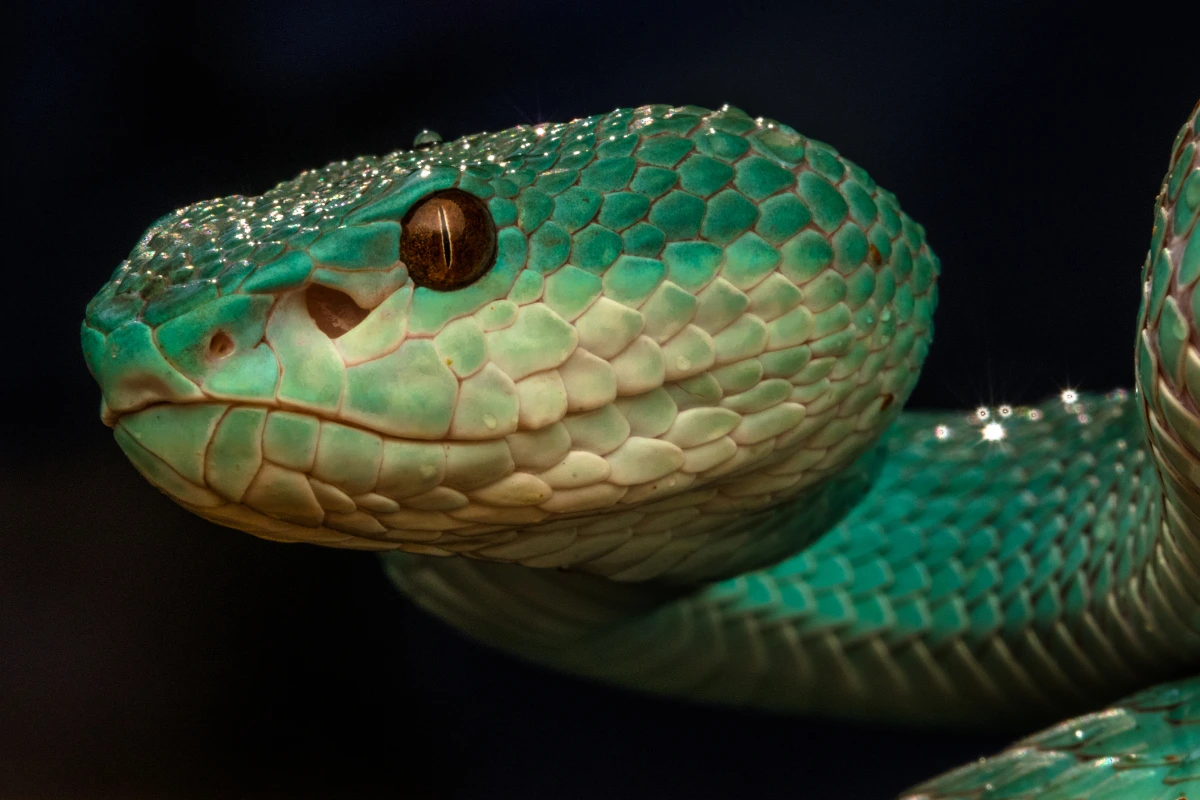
point(449, 240)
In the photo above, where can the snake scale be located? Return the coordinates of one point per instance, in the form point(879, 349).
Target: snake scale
point(643, 374)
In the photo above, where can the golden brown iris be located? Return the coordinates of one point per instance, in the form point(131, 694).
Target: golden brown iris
point(449, 240)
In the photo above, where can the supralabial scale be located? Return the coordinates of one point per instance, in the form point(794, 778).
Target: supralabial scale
point(623, 396)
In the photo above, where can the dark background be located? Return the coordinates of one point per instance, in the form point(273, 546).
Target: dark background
point(145, 653)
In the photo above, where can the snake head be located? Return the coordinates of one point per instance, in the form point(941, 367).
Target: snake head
point(613, 344)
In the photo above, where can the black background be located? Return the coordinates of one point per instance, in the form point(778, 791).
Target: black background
point(146, 653)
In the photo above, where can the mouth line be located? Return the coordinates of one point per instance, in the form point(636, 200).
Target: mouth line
point(112, 419)
point(374, 531)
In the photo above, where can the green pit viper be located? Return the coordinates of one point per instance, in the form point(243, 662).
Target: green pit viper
point(622, 396)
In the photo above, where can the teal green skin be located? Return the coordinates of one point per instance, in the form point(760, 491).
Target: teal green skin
point(680, 385)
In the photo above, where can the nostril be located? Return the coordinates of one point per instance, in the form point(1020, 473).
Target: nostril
point(334, 312)
point(220, 345)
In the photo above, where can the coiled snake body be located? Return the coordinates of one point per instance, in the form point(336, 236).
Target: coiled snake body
point(642, 374)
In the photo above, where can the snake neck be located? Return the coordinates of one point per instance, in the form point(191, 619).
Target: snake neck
point(1159, 611)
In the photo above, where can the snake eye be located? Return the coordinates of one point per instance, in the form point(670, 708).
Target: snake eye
point(449, 240)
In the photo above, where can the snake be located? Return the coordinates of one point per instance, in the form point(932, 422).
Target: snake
point(624, 397)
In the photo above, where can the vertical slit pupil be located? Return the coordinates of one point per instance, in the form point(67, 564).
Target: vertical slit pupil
point(447, 255)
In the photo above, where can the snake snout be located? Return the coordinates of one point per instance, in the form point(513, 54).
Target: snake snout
point(132, 372)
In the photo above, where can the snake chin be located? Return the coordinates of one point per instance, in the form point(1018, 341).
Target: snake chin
point(290, 475)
